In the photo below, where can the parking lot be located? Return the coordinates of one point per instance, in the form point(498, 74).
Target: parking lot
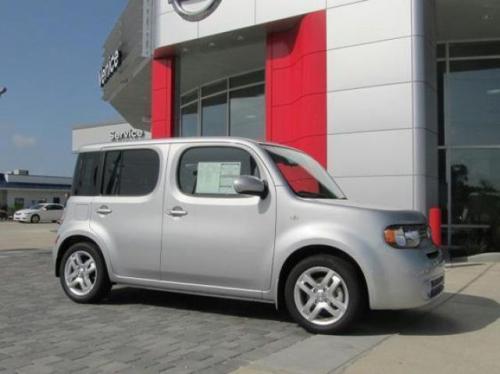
point(41, 331)
point(15, 235)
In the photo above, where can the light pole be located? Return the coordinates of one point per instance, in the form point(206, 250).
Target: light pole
point(2, 90)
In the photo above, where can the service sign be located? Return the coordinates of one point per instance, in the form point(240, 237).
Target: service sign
point(110, 67)
point(132, 134)
point(194, 10)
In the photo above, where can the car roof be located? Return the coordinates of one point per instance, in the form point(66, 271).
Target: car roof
point(179, 140)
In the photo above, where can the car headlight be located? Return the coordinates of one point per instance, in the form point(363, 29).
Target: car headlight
point(406, 236)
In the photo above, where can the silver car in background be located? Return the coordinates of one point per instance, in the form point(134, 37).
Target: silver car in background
point(239, 219)
point(43, 212)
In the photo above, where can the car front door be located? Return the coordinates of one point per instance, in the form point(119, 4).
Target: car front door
point(127, 215)
point(215, 240)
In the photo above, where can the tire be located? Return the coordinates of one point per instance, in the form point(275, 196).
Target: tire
point(35, 218)
point(314, 302)
point(83, 274)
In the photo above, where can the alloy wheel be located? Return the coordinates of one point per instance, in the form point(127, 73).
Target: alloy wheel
point(321, 295)
point(80, 273)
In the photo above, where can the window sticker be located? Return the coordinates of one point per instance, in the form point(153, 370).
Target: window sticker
point(217, 177)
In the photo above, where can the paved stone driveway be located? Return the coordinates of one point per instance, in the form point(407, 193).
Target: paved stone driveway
point(41, 331)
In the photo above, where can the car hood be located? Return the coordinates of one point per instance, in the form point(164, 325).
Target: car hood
point(26, 211)
point(383, 212)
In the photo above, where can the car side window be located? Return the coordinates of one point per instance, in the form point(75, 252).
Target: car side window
point(131, 172)
point(85, 180)
point(210, 171)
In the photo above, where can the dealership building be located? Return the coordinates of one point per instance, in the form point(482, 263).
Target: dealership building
point(106, 132)
point(398, 99)
point(19, 189)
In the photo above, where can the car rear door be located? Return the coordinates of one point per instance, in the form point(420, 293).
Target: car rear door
point(127, 214)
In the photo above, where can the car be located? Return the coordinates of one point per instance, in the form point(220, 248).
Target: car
point(44, 212)
point(3, 215)
point(235, 218)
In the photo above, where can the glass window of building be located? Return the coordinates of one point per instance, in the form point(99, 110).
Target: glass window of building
point(234, 106)
point(469, 145)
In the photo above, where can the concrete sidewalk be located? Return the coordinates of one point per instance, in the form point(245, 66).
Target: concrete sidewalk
point(458, 333)
point(18, 236)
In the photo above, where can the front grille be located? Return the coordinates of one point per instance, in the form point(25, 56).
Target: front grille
point(437, 286)
point(432, 255)
point(437, 281)
point(437, 290)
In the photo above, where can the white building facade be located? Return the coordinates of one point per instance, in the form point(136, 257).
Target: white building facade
point(19, 189)
point(398, 99)
point(106, 132)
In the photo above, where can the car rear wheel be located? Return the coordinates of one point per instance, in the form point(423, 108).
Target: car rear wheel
point(323, 294)
point(83, 274)
point(35, 218)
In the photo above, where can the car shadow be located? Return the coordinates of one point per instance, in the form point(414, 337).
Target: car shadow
point(459, 314)
point(230, 307)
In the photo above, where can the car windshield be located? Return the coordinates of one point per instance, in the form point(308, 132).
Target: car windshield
point(305, 176)
point(37, 207)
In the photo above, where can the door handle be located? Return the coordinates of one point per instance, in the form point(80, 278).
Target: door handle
point(104, 210)
point(177, 212)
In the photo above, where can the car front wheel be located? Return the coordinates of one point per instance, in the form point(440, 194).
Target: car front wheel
point(83, 274)
point(323, 294)
point(35, 218)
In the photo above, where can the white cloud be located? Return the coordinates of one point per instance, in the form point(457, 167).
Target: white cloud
point(22, 141)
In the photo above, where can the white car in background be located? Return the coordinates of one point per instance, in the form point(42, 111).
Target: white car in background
point(46, 212)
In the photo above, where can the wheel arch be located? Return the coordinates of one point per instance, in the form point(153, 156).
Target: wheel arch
point(308, 251)
point(66, 245)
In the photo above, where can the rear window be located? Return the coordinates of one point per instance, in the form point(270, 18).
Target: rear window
point(85, 179)
point(131, 172)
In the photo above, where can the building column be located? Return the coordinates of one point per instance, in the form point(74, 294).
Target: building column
point(162, 97)
point(382, 122)
point(296, 86)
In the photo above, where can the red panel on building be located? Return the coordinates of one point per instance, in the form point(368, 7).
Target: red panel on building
point(296, 86)
point(162, 97)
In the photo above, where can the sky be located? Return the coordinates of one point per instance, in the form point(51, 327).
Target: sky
point(50, 53)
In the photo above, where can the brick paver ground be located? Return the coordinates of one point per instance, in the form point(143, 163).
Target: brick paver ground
point(42, 331)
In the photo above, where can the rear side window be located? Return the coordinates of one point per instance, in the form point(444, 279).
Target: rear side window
point(85, 179)
point(210, 171)
point(132, 172)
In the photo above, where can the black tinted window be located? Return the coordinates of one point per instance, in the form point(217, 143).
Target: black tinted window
point(86, 176)
point(130, 172)
point(212, 170)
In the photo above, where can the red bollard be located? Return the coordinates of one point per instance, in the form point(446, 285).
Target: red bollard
point(435, 225)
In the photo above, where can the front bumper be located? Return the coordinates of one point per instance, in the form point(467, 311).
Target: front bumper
point(410, 278)
point(21, 218)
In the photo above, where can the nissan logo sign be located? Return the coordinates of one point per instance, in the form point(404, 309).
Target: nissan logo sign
point(194, 10)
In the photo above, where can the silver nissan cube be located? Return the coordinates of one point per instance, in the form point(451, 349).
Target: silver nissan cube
point(235, 218)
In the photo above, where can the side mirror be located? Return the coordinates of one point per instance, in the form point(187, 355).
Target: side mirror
point(249, 185)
